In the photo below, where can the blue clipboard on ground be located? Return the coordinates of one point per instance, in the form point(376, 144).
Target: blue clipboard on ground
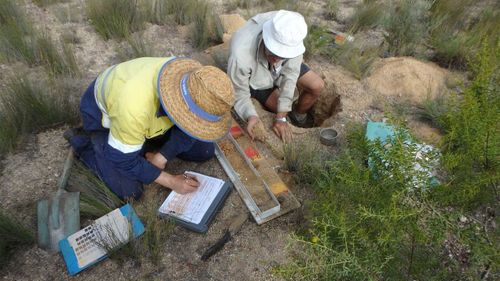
point(92, 243)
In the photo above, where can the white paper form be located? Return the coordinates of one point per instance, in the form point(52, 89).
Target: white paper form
point(192, 207)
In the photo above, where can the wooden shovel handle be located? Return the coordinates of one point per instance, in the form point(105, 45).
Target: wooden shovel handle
point(65, 174)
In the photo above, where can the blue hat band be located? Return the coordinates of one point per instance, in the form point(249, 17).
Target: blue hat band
point(193, 107)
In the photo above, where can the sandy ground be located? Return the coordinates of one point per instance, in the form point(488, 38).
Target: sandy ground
point(31, 173)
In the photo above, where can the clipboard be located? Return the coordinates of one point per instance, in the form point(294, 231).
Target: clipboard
point(195, 211)
point(83, 249)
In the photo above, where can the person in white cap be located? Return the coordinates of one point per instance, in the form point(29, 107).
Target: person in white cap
point(265, 63)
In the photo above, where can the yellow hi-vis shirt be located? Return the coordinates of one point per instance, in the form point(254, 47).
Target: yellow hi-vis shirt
point(127, 95)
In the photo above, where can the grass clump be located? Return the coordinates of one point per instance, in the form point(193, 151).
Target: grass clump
point(16, 40)
point(331, 9)
point(367, 14)
point(26, 106)
point(44, 3)
point(96, 199)
point(318, 41)
point(135, 47)
point(12, 236)
point(157, 229)
point(156, 11)
point(20, 41)
point(456, 33)
point(355, 59)
point(115, 18)
point(304, 161)
point(206, 27)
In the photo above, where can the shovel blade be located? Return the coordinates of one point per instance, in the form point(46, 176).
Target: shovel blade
point(58, 218)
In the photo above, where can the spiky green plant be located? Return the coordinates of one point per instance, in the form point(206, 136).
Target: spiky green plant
point(96, 199)
point(12, 236)
point(456, 33)
point(206, 28)
point(19, 40)
point(304, 161)
point(183, 10)
point(332, 8)
point(27, 106)
point(355, 59)
point(157, 229)
point(367, 14)
point(115, 18)
point(135, 46)
point(44, 3)
point(156, 11)
point(318, 41)
point(56, 62)
point(16, 34)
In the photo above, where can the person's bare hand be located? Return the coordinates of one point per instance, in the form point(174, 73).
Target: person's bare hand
point(157, 159)
point(283, 131)
point(183, 184)
point(252, 121)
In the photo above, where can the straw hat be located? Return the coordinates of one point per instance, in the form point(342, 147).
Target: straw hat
point(198, 99)
point(284, 34)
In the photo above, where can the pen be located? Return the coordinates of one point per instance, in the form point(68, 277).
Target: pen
point(189, 177)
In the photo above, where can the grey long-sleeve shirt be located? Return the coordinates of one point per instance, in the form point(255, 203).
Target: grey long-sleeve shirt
point(248, 67)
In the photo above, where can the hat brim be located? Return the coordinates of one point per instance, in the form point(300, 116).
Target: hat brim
point(170, 95)
point(277, 48)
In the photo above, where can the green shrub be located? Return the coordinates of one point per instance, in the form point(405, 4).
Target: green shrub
point(26, 106)
point(12, 236)
point(115, 18)
point(471, 144)
point(371, 226)
point(407, 26)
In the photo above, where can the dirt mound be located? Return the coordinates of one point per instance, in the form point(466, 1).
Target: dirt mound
point(231, 23)
point(406, 79)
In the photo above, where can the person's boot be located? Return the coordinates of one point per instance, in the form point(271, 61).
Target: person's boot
point(71, 132)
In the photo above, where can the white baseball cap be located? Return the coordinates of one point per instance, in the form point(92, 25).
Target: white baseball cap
point(284, 34)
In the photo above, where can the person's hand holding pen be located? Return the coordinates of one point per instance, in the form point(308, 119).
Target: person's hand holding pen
point(185, 183)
